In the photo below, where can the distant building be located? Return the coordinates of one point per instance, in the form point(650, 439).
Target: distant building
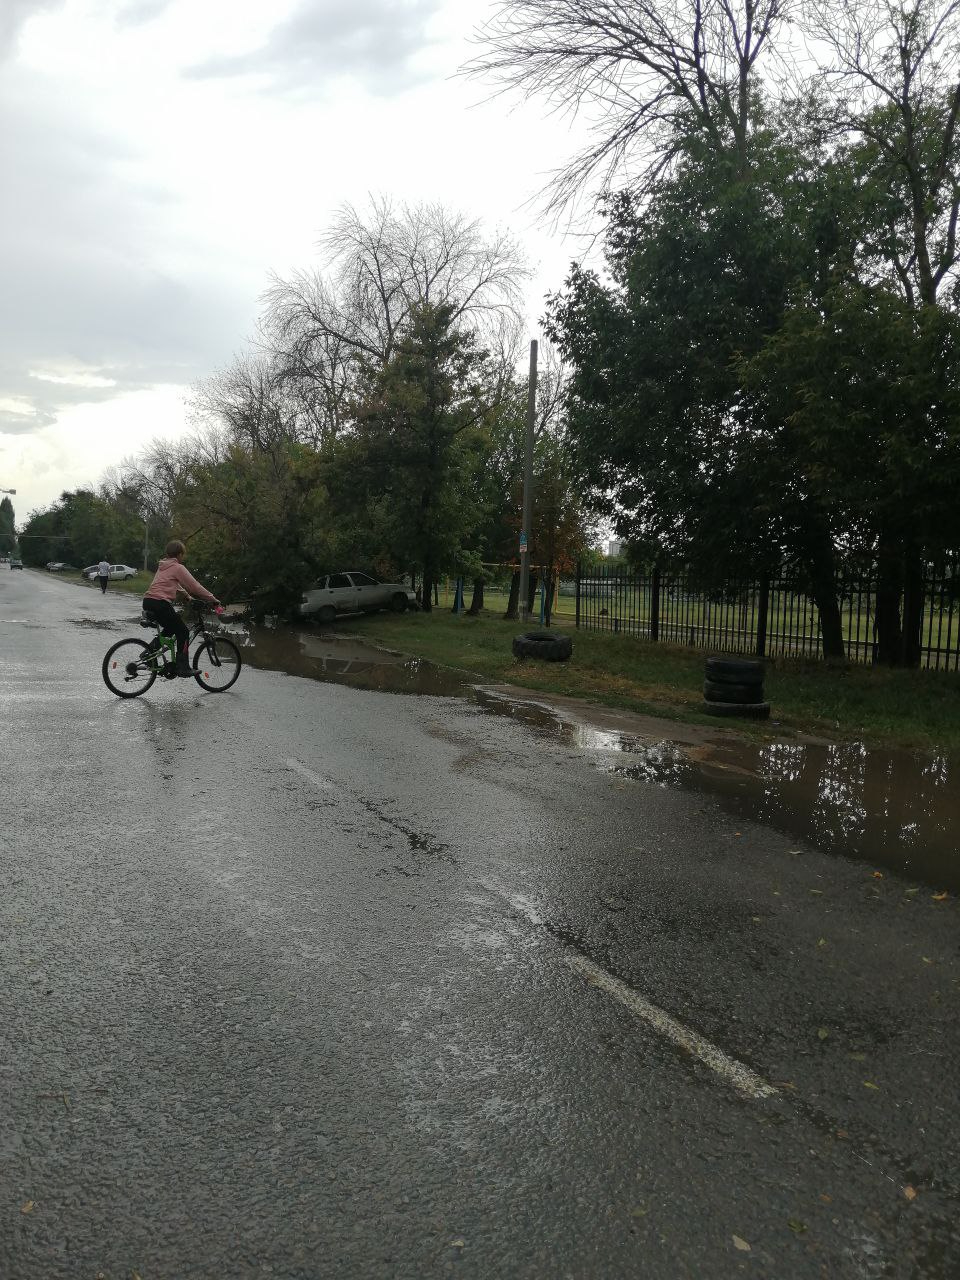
point(614, 548)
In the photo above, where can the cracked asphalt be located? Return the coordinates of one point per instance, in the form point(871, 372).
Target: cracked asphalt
point(289, 986)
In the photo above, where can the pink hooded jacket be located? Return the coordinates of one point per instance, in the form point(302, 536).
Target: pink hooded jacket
point(170, 575)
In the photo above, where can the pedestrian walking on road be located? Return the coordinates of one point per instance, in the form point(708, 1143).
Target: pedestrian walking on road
point(103, 574)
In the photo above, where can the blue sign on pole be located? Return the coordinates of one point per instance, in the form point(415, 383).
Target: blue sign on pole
point(523, 544)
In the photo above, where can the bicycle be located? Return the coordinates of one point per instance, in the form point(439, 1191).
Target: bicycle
point(132, 665)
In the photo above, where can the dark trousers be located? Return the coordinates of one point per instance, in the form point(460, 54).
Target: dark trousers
point(170, 622)
point(103, 584)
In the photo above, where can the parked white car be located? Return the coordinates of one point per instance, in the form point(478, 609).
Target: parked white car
point(118, 572)
point(354, 592)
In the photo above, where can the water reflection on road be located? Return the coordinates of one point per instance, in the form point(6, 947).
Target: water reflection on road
point(344, 660)
point(897, 810)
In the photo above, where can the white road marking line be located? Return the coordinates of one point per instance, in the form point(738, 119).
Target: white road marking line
point(310, 776)
point(744, 1080)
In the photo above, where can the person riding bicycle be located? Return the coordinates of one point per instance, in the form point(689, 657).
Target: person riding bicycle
point(173, 576)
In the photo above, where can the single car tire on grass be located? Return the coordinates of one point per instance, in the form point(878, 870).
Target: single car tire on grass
point(747, 710)
point(715, 691)
point(734, 670)
point(550, 646)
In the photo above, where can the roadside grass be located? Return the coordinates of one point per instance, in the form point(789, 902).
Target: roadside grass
point(131, 586)
point(876, 705)
point(880, 706)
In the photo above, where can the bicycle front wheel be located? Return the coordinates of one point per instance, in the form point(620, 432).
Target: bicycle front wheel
point(125, 670)
point(216, 664)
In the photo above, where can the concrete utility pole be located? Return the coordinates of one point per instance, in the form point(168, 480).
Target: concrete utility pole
point(528, 486)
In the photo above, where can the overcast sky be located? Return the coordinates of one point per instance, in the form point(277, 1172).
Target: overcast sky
point(160, 157)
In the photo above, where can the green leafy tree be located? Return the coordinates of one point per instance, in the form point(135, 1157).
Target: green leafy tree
point(868, 391)
point(412, 457)
point(559, 524)
point(698, 279)
point(82, 528)
point(257, 522)
point(8, 530)
point(870, 197)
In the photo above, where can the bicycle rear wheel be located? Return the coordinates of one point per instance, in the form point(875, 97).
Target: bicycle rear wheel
point(125, 671)
point(216, 664)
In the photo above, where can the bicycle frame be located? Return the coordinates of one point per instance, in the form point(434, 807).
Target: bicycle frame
point(168, 644)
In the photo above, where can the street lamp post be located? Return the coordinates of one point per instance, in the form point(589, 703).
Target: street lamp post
point(527, 518)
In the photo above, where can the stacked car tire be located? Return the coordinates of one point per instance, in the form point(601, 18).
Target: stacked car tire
point(550, 646)
point(734, 687)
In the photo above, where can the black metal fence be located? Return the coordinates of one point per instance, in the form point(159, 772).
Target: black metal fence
point(765, 617)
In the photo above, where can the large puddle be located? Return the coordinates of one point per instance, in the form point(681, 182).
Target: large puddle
point(896, 810)
point(345, 660)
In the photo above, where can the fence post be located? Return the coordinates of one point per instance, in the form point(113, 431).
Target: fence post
point(577, 623)
point(763, 606)
point(655, 603)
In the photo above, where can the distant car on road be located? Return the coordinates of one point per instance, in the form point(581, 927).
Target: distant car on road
point(16, 564)
point(58, 566)
point(354, 592)
point(118, 572)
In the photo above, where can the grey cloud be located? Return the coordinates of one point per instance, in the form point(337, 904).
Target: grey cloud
point(136, 13)
point(371, 40)
point(78, 244)
point(22, 424)
point(14, 13)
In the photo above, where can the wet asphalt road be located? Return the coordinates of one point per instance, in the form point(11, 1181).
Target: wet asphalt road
point(293, 983)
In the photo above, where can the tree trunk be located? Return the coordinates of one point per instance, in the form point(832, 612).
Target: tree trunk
point(823, 579)
point(476, 604)
point(831, 624)
point(426, 600)
point(549, 586)
point(426, 525)
point(513, 603)
point(534, 581)
point(888, 650)
point(912, 610)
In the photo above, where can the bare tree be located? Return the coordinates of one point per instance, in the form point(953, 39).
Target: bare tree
point(157, 477)
point(247, 400)
point(376, 266)
point(895, 86)
point(643, 72)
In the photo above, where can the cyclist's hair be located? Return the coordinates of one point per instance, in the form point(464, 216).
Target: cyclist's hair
point(176, 547)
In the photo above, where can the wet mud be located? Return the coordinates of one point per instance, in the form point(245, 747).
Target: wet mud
point(898, 811)
point(94, 624)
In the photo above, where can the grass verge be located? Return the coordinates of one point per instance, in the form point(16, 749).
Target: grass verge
point(883, 707)
point(130, 586)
